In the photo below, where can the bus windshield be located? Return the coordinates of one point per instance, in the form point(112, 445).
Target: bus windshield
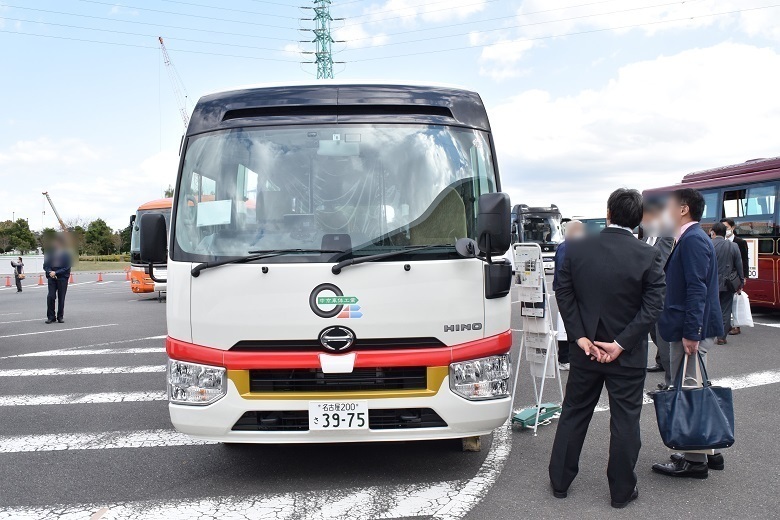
point(541, 230)
point(135, 233)
point(363, 188)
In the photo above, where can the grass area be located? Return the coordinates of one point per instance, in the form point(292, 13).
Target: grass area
point(99, 267)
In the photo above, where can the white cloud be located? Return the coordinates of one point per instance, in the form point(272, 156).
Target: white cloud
point(357, 36)
point(647, 127)
point(408, 12)
point(83, 181)
point(537, 21)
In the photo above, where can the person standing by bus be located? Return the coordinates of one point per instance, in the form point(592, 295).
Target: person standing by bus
point(731, 236)
point(56, 265)
point(730, 274)
point(574, 230)
point(18, 273)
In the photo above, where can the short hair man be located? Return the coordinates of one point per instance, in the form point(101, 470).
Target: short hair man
point(691, 319)
point(730, 274)
point(731, 235)
point(655, 232)
point(56, 265)
point(610, 293)
point(574, 230)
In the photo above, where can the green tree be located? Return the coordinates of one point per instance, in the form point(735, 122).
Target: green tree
point(169, 192)
point(5, 234)
point(124, 239)
point(21, 238)
point(79, 237)
point(99, 238)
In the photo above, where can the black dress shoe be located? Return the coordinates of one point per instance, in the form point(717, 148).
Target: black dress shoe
point(49, 321)
point(715, 462)
point(656, 368)
point(559, 494)
point(60, 320)
point(683, 468)
point(621, 505)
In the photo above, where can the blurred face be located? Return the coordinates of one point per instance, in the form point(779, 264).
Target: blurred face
point(676, 214)
point(575, 230)
point(651, 222)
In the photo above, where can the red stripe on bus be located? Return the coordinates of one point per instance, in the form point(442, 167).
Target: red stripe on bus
point(402, 357)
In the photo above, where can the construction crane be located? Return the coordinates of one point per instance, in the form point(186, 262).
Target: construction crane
point(56, 213)
point(179, 90)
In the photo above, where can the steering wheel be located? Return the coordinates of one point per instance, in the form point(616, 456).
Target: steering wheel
point(190, 211)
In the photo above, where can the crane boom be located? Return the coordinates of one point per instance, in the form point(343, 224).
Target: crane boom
point(179, 91)
point(56, 213)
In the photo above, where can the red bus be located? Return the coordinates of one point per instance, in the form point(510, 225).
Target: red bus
point(746, 193)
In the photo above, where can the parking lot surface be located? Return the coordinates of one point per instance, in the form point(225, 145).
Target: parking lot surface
point(85, 434)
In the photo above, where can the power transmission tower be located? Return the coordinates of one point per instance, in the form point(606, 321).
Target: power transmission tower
point(323, 40)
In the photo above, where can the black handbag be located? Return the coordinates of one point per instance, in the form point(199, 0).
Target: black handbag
point(691, 419)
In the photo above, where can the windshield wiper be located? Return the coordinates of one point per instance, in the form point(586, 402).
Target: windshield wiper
point(256, 255)
point(336, 269)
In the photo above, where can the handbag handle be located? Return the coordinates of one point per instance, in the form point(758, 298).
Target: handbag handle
point(678, 381)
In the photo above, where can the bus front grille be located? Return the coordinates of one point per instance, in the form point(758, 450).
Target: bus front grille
point(360, 379)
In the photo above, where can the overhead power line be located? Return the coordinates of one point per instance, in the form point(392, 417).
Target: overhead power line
point(138, 46)
point(425, 4)
point(202, 17)
point(220, 8)
point(114, 31)
point(631, 26)
point(148, 24)
point(530, 24)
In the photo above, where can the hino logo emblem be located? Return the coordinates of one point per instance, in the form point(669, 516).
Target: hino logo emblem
point(337, 339)
point(459, 327)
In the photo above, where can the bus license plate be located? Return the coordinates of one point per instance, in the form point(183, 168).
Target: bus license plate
point(338, 415)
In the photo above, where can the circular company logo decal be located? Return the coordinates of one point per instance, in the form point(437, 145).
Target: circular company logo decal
point(324, 301)
point(337, 339)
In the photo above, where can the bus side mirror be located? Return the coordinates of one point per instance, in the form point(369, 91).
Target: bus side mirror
point(493, 224)
point(132, 220)
point(154, 238)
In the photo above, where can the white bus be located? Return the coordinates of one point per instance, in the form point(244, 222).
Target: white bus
point(334, 269)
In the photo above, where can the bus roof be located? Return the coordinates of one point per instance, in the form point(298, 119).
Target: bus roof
point(332, 103)
point(757, 170)
point(156, 204)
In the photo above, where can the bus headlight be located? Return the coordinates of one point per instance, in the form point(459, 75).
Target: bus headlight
point(191, 383)
point(483, 378)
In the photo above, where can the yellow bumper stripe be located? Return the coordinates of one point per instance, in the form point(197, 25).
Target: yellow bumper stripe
point(435, 377)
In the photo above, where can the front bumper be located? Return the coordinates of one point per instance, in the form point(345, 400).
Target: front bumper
point(463, 418)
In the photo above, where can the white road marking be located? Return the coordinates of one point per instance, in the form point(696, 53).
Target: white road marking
point(105, 344)
point(449, 500)
point(92, 352)
point(9, 313)
point(20, 321)
point(776, 325)
point(750, 380)
point(56, 329)
point(106, 397)
point(96, 441)
point(28, 372)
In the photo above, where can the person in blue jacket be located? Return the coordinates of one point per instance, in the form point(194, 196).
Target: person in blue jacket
point(56, 266)
point(691, 319)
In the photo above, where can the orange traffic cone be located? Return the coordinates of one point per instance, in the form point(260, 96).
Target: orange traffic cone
point(8, 281)
point(40, 279)
point(100, 277)
point(71, 279)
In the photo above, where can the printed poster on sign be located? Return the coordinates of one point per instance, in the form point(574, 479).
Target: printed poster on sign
point(752, 246)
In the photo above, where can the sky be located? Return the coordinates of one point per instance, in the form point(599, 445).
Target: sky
point(583, 96)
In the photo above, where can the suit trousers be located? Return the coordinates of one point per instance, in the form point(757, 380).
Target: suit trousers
point(583, 389)
point(57, 289)
point(726, 306)
point(663, 355)
point(678, 355)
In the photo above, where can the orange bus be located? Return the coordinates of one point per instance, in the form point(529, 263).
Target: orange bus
point(140, 282)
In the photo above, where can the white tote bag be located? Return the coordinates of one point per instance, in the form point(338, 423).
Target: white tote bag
point(741, 311)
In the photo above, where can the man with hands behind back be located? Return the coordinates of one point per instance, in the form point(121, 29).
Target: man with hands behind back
point(610, 294)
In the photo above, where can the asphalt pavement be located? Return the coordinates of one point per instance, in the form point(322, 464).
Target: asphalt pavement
point(85, 434)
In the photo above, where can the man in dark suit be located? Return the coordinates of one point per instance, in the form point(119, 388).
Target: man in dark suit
point(610, 293)
point(56, 265)
point(691, 319)
point(731, 235)
point(730, 274)
point(574, 230)
point(655, 232)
